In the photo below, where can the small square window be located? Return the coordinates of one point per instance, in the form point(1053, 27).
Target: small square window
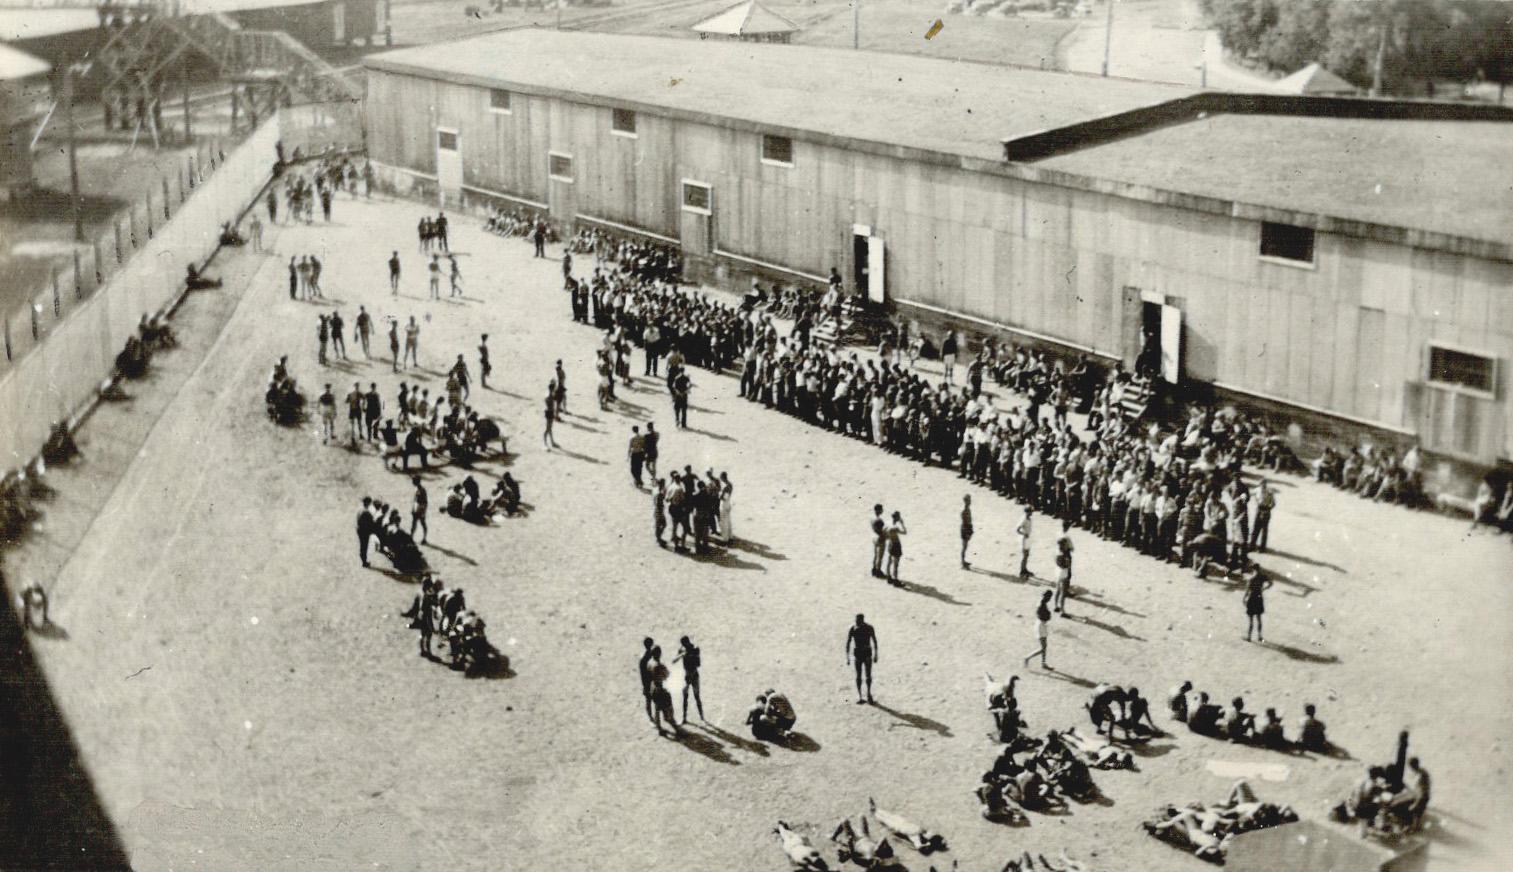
point(499, 100)
point(624, 121)
point(446, 140)
point(1462, 369)
point(1287, 242)
point(777, 149)
point(696, 197)
point(560, 166)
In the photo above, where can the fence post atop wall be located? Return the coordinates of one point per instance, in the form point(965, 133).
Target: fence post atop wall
point(8, 354)
point(99, 276)
point(149, 213)
point(78, 276)
point(166, 213)
point(117, 226)
point(131, 220)
point(57, 296)
point(36, 321)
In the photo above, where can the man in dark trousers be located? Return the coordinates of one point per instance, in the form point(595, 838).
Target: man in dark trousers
point(372, 410)
point(652, 439)
point(538, 235)
point(863, 639)
point(637, 453)
point(338, 342)
point(365, 525)
point(680, 387)
point(394, 273)
point(439, 227)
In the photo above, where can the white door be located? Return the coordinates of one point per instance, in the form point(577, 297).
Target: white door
point(449, 165)
point(1171, 343)
point(876, 287)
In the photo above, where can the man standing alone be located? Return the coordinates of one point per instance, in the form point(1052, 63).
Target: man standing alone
point(863, 639)
point(418, 510)
point(394, 274)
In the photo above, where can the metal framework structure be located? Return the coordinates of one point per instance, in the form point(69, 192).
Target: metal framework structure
point(145, 43)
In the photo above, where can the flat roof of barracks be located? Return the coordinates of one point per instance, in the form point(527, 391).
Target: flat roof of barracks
point(1433, 175)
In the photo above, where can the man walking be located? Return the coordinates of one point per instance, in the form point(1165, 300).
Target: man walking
point(680, 390)
point(394, 274)
point(863, 639)
point(538, 236)
point(879, 540)
point(418, 510)
point(394, 342)
point(484, 367)
point(637, 453)
point(966, 529)
point(434, 270)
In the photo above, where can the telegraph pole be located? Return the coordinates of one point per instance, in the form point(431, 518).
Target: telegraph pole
point(73, 152)
point(1108, 36)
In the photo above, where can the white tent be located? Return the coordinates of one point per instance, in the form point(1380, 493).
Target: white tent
point(749, 20)
point(1315, 80)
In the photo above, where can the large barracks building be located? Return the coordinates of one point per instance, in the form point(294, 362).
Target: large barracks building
point(1345, 263)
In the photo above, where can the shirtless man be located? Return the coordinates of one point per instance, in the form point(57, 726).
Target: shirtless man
point(864, 639)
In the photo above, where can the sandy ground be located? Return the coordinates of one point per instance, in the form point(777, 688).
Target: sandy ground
point(245, 695)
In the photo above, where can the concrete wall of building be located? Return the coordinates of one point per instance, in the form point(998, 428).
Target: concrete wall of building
point(1347, 336)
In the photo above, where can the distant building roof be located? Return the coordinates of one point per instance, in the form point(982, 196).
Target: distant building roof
point(1314, 79)
point(950, 107)
point(17, 64)
point(746, 19)
point(1452, 177)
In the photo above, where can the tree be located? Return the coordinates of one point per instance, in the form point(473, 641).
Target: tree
point(1300, 35)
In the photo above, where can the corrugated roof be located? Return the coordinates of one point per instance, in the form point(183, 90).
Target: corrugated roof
point(950, 107)
point(1452, 177)
point(17, 64)
point(746, 19)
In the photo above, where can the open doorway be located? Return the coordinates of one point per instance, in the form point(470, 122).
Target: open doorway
point(867, 259)
point(1148, 364)
point(859, 237)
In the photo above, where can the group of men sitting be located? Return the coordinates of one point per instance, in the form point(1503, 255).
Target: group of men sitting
point(1207, 829)
point(1238, 725)
point(284, 401)
point(640, 259)
point(464, 501)
point(153, 335)
point(1388, 801)
point(517, 222)
point(1373, 473)
point(442, 611)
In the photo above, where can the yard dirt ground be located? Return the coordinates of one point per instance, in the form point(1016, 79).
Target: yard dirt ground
point(245, 695)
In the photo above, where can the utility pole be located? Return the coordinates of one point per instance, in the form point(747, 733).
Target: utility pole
point(73, 152)
point(1108, 36)
point(1381, 52)
point(856, 24)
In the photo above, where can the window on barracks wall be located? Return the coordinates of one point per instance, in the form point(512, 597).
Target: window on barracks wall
point(624, 121)
point(1287, 242)
point(1462, 369)
point(446, 140)
point(560, 166)
point(778, 149)
point(696, 196)
point(499, 101)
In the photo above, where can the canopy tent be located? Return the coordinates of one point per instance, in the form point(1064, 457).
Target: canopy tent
point(1315, 80)
point(750, 20)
